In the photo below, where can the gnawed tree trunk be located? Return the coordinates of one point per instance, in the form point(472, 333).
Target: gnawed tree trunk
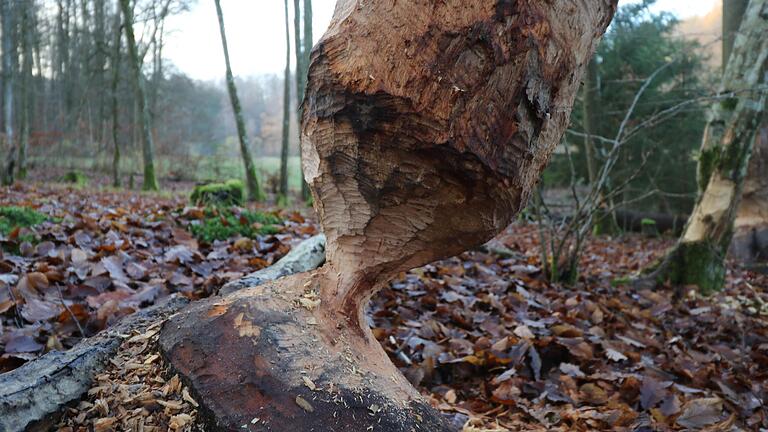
point(145, 120)
point(699, 257)
point(750, 239)
point(426, 126)
point(255, 193)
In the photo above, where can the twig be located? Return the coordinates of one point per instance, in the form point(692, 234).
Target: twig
point(74, 318)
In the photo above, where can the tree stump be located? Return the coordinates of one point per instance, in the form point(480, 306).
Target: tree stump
point(426, 125)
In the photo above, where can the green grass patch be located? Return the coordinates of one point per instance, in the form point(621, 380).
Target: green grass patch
point(13, 217)
point(221, 224)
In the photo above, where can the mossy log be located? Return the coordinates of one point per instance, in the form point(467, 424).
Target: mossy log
point(425, 127)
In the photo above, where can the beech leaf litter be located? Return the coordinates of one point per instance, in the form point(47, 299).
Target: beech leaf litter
point(483, 335)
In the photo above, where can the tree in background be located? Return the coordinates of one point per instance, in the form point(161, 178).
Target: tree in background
point(116, 45)
point(255, 192)
point(145, 120)
point(286, 110)
point(9, 50)
point(27, 95)
point(303, 49)
point(698, 259)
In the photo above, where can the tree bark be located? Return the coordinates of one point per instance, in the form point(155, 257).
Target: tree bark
point(425, 127)
point(9, 49)
point(699, 257)
point(733, 12)
point(287, 109)
point(750, 240)
point(145, 122)
point(255, 192)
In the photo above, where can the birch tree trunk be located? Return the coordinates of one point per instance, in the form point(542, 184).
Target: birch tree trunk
point(9, 49)
point(425, 127)
point(699, 257)
point(286, 110)
point(255, 193)
point(145, 122)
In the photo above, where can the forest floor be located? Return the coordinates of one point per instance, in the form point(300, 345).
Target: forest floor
point(483, 336)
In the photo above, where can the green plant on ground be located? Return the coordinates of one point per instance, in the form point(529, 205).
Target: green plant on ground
point(13, 217)
point(221, 224)
point(229, 193)
point(75, 177)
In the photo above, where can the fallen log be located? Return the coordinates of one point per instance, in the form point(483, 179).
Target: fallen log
point(307, 255)
point(425, 127)
point(43, 386)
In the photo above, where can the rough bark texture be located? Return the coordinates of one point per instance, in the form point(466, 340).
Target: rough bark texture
point(699, 258)
point(750, 241)
point(255, 193)
point(41, 387)
point(425, 127)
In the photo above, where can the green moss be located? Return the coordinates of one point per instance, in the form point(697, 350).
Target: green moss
point(625, 280)
point(221, 224)
point(699, 264)
point(729, 104)
point(229, 193)
point(19, 217)
point(708, 160)
point(75, 177)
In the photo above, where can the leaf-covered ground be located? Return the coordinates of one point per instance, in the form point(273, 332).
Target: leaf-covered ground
point(483, 335)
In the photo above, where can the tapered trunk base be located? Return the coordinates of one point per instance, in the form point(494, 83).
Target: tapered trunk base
point(271, 358)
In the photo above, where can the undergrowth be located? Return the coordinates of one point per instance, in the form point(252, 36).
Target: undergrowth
point(221, 224)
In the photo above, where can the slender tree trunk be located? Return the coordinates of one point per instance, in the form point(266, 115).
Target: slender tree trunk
point(26, 86)
point(699, 257)
point(426, 125)
point(115, 102)
point(286, 109)
point(590, 108)
point(255, 192)
point(308, 42)
point(9, 49)
point(147, 147)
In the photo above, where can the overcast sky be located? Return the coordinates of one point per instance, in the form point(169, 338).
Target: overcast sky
point(256, 34)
